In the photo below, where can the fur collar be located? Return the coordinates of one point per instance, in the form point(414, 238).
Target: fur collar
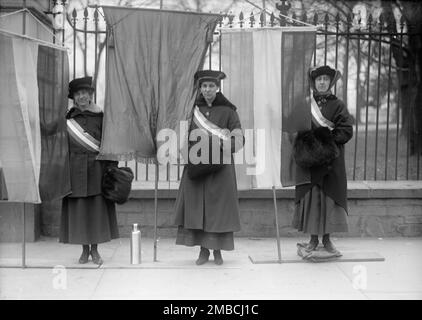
point(321, 99)
point(74, 111)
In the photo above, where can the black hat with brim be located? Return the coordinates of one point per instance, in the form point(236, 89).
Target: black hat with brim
point(209, 75)
point(323, 70)
point(78, 84)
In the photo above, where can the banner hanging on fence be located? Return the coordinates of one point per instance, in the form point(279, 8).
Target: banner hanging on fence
point(267, 79)
point(152, 58)
point(33, 145)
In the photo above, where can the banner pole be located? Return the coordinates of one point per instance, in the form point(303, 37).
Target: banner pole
point(155, 210)
point(276, 225)
point(23, 203)
point(23, 237)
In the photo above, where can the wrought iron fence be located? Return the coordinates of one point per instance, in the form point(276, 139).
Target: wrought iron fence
point(370, 57)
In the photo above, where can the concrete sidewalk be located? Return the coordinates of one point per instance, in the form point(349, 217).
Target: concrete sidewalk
point(53, 272)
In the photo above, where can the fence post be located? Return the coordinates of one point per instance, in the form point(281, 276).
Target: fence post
point(85, 40)
point(95, 49)
point(368, 78)
point(378, 106)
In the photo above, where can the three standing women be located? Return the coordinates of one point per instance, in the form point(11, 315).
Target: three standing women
point(207, 209)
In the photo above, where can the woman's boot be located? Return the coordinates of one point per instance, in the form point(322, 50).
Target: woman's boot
point(85, 254)
point(218, 259)
point(313, 243)
point(96, 258)
point(328, 245)
point(204, 254)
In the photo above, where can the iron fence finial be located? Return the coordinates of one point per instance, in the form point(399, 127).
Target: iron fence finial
point(251, 20)
point(369, 22)
point(262, 19)
point(304, 17)
point(315, 18)
point(283, 6)
point(231, 18)
point(381, 20)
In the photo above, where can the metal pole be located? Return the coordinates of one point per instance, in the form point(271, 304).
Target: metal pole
point(23, 211)
point(96, 62)
point(368, 71)
point(23, 237)
point(357, 118)
point(64, 17)
point(156, 195)
point(378, 103)
point(276, 226)
point(24, 18)
point(155, 210)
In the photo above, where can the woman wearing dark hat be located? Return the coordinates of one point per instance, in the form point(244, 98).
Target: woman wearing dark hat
point(321, 205)
point(207, 209)
point(87, 217)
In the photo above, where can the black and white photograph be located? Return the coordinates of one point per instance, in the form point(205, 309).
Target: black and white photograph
point(210, 157)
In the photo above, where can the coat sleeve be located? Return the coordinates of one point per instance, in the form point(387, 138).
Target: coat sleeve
point(343, 125)
point(236, 132)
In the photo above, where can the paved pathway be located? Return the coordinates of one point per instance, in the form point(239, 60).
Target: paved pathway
point(53, 272)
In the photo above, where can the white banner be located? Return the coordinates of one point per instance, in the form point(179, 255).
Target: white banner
point(19, 119)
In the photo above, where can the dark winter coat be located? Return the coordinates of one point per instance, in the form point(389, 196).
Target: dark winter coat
point(332, 177)
point(211, 203)
point(85, 171)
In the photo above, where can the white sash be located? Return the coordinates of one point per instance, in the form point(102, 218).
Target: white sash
point(317, 116)
point(81, 136)
point(204, 123)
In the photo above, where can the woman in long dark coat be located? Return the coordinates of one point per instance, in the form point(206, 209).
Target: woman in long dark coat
point(87, 217)
point(207, 209)
point(321, 206)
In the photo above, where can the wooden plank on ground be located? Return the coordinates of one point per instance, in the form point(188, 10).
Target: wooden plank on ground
point(352, 256)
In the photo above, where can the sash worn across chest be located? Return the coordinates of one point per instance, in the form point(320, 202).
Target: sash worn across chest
point(80, 136)
point(203, 123)
point(317, 118)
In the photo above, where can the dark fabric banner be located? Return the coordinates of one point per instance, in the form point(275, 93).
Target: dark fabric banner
point(297, 49)
point(53, 77)
point(3, 189)
point(151, 60)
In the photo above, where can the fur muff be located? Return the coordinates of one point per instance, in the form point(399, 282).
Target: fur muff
point(315, 147)
point(117, 184)
point(200, 170)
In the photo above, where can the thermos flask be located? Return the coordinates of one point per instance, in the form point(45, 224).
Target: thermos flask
point(135, 245)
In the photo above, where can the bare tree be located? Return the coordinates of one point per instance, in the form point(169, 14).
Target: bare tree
point(408, 56)
point(407, 50)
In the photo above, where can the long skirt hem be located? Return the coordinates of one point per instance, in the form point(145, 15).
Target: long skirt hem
point(318, 214)
point(88, 220)
point(209, 240)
